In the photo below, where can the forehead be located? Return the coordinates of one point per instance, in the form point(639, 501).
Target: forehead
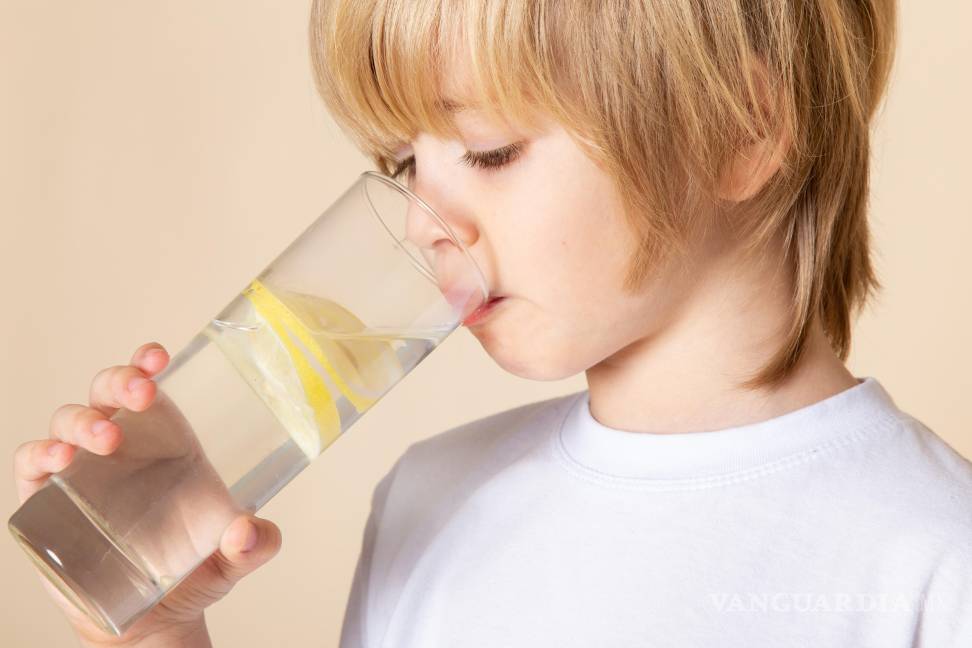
point(468, 108)
point(456, 83)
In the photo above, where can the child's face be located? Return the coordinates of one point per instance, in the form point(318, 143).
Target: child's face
point(547, 231)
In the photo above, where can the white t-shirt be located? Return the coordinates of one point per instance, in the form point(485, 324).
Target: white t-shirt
point(844, 523)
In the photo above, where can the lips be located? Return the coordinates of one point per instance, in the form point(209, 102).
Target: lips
point(485, 309)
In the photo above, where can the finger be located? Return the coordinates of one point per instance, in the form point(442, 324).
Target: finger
point(85, 427)
point(220, 572)
point(247, 543)
point(121, 386)
point(34, 461)
point(129, 386)
point(151, 358)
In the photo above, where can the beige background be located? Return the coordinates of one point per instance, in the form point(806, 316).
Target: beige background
point(156, 154)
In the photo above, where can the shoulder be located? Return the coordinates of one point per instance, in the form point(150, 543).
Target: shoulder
point(437, 472)
point(938, 509)
point(915, 481)
point(935, 468)
point(486, 443)
point(948, 464)
point(519, 425)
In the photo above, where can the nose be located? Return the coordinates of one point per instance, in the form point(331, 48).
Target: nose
point(422, 229)
point(457, 279)
point(432, 180)
point(425, 231)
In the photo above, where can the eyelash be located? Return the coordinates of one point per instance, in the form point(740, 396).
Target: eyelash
point(487, 160)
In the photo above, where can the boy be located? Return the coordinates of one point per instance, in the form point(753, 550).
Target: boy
point(671, 197)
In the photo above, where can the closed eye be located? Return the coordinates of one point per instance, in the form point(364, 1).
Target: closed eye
point(486, 160)
point(492, 159)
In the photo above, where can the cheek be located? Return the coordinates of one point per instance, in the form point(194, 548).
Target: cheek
point(586, 243)
point(568, 313)
point(561, 248)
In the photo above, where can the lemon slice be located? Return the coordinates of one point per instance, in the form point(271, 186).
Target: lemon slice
point(304, 352)
point(315, 394)
point(278, 371)
point(366, 361)
point(343, 362)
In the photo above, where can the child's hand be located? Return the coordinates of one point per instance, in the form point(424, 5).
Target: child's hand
point(179, 616)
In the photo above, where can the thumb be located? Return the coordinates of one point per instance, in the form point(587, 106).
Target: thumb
point(247, 543)
point(239, 554)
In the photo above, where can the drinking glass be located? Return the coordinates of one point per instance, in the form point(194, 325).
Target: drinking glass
point(352, 305)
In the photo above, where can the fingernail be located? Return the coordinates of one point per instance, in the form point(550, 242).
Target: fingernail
point(101, 427)
point(155, 353)
point(251, 538)
point(54, 449)
point(136, 382)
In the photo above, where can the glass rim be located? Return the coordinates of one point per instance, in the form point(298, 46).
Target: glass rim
point(408, 193)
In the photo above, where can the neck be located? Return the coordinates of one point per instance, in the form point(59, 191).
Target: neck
point(685, 378)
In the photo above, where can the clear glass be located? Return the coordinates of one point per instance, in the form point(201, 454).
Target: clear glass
point(357, 301)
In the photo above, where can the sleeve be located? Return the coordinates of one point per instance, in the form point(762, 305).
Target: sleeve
point(946, 612)
point(354, 629)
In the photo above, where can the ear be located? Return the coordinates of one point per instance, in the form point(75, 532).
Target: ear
point(755, 162)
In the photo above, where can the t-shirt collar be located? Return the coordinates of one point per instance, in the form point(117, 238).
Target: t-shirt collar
point(643, 455)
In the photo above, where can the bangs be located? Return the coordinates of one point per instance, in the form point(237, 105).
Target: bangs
point(389, 69)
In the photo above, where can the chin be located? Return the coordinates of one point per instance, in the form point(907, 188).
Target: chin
point(534, 361)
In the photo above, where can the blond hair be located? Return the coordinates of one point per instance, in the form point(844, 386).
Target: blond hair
point(662, 95)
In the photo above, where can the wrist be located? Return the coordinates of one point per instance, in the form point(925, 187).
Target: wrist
point(194, 635)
